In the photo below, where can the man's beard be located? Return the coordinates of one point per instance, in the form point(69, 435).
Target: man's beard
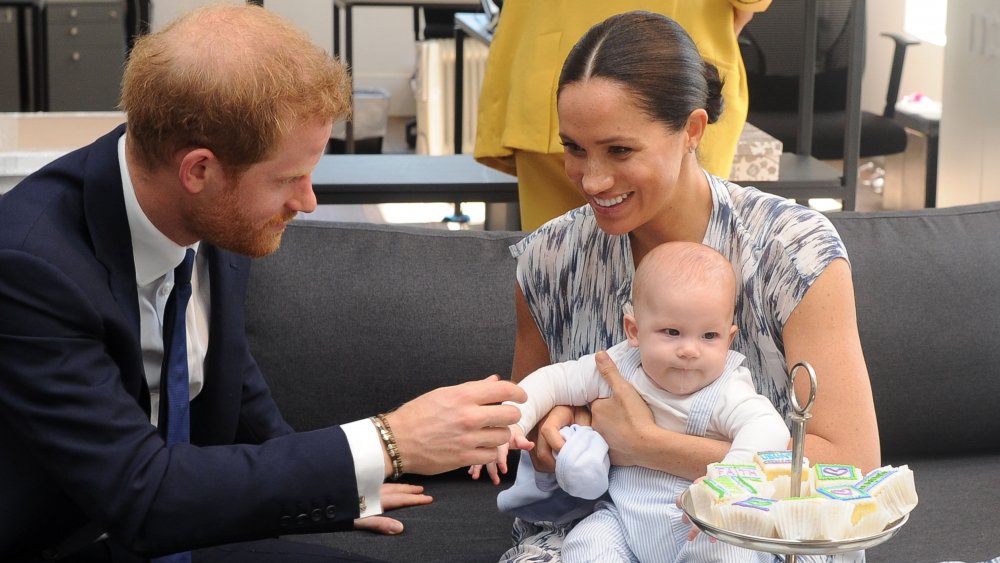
point(227, 226)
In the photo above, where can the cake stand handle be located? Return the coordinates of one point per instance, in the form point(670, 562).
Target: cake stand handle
point(799, 416)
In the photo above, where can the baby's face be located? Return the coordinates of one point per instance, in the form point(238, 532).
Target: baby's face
point(684, 336)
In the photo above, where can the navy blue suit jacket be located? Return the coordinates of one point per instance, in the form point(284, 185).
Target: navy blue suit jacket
point(76, 444)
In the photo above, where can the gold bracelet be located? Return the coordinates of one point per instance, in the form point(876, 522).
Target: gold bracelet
point(389, 439)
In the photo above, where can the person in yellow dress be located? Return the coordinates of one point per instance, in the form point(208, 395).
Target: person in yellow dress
point(517, 129)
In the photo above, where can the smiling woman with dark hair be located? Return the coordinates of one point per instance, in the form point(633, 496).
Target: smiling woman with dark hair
point(517, 130)
point(634, 101)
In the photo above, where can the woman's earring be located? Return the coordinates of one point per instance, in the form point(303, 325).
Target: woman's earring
point(692, 148)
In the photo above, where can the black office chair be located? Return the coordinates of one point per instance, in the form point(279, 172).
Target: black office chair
point(771, 45)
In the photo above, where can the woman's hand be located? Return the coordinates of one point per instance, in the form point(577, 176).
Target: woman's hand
point(394, 495)
point(547, 439)
point(621, 418)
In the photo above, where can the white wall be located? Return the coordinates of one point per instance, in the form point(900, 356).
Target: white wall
point(384, 45)
point(970, 124)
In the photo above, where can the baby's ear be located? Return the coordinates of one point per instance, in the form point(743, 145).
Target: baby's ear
point(631, 330)
point(732, 334)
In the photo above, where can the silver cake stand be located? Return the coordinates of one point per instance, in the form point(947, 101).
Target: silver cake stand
point(793, 548)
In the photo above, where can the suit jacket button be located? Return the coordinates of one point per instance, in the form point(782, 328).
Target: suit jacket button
point(331, 511)
point(316, 515)
point(286, 521)
point(302, 519)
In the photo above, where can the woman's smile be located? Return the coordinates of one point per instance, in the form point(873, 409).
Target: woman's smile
point(613, 201)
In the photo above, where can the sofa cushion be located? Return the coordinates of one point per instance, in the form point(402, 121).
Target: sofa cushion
point(955, 517)
point(347, 320)
point(928, 296)
point(462, 525)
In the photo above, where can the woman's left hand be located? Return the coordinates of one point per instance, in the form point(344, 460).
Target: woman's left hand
point(394, 495)
point(620, 419)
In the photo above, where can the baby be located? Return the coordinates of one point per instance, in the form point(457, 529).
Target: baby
point(677, 357)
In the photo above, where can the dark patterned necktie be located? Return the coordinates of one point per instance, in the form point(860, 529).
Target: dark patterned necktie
point(175, 425)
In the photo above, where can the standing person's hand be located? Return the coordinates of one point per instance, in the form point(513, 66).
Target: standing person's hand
point(622, 417)
point(456, 426)
point(740, 20)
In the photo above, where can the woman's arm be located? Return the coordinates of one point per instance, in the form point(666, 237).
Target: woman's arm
point(530, 350)
point(823, 330)
point(531, 353)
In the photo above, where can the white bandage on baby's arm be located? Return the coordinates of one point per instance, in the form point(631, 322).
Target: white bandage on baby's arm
point(565, 383)
point(749, 420)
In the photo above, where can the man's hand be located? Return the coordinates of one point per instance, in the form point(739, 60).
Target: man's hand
point(394, 495)
point(619, 418)
point(456, 426)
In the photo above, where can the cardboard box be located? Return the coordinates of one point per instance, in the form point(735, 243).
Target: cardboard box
point(29, 141)
point(757, 157)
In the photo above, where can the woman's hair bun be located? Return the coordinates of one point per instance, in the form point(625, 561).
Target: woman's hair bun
point(713, 103)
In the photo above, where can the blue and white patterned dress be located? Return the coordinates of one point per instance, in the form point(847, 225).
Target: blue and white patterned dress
point(577, 281)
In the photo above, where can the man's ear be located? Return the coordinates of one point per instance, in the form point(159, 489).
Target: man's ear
point(631, 330)
point(197, 168)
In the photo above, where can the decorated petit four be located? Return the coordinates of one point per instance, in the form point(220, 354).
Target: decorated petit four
point(747, 472)
point(777, 468)
point(834, 475)
point(751, 516)
point(893, 488)
point(708, 493)
point(803, 518)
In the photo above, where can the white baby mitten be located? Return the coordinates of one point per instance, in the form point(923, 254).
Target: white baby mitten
point(583, 463)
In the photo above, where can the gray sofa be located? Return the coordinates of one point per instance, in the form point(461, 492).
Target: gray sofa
point(347, 320)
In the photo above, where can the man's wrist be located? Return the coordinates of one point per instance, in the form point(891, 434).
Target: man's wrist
point(394, 461)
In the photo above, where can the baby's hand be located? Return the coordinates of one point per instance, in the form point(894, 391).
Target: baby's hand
point(517, 441)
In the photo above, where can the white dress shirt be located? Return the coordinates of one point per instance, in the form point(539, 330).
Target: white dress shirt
point(155, 258)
